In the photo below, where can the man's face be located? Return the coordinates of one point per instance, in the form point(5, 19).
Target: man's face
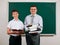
point(15, 14)
point(33, 10)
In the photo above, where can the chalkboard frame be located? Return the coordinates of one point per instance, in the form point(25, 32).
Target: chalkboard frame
point(54, 5)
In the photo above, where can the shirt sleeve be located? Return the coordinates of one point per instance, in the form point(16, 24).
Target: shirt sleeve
point(25, 24)
point(9, 25)
point(40, 24)
point(22, 25)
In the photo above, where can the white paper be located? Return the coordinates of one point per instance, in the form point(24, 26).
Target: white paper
point(33, 28)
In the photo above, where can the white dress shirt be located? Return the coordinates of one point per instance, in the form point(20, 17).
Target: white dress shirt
point(13, 24)
point(36, 21)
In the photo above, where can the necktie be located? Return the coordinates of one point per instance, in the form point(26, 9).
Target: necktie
point(32, 18)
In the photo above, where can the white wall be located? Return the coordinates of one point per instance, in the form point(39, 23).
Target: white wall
point(54, 40)
point(3, 22)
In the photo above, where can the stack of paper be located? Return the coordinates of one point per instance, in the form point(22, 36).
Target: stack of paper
point(33, 28)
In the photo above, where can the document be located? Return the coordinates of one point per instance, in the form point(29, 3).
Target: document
point(33, 28)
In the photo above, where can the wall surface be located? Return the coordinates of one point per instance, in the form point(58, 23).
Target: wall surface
point(53, 40)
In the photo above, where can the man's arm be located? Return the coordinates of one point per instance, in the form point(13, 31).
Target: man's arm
point(25, 24)
point(12, 32)
point(40, 25)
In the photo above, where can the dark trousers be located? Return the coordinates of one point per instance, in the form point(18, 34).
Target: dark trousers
point(15, 40)
point(33, 39)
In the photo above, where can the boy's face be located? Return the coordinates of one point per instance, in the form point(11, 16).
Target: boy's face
point(33, 10)
point(15, 14)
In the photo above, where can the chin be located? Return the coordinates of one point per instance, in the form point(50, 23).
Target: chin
point(33, 12)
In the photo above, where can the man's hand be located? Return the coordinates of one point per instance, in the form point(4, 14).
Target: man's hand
point(29, 25)
point(14, 32)
point(21, 32)
point(38, 29)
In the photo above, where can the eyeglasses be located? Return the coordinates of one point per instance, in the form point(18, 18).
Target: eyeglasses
point(32, 9)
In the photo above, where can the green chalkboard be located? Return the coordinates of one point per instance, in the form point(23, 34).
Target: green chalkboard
point(46, 9)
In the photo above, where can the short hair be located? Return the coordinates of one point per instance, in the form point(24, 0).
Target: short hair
point(14, 11)
point(33, 6)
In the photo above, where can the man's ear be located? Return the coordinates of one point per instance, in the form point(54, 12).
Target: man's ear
point(36, 10)
point(18, 14)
